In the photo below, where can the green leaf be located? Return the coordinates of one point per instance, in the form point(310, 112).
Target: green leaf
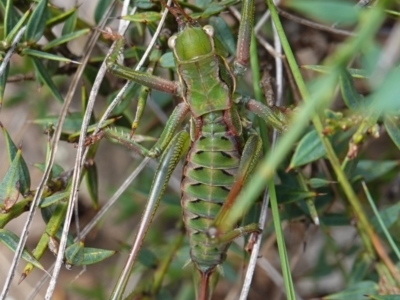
point(35, 26)
point(223, 34)
point(167, 60)
point(355, 73)
point(40, 54)
point(100, 10)
point(319, 182)
point(327, 11)
point(389, 215)
point(78, 255)
point(23, 171)
point(351, 97)
point(309, 149)
point(54, 199)
point(11, 240)
point(10, 186)
point(95, 255)
point(392, 125)
point(60, 16)
point(65, 39)
point(72, 123)
point(286, 194)
point(355, 292)
point(371, 169)
point(10, 37)
point(145, 17)
point(93, 183)
point(385, 98)
point(46, 79)
point(70, 23)
point(10, 17)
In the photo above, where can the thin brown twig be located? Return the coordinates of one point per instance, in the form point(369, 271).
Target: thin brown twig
point(314, 25)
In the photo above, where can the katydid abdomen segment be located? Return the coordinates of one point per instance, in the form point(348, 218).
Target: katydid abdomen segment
point(211, 165)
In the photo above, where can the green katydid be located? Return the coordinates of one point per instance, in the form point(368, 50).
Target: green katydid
point(221, 150)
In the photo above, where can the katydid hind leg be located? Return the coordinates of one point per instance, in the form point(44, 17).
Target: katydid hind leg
point(176, 149)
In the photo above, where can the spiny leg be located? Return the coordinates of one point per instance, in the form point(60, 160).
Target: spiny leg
point(175, 150)
point(173, 122)
point(149, 80)
point(244, 38)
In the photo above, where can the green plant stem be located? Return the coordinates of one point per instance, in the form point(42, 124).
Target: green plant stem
point(370, 21)
point(286, 272)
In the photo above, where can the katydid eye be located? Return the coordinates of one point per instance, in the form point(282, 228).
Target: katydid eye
point(209, 30)
point(172, 42)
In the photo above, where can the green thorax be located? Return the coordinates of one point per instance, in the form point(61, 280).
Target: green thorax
point(207, 81)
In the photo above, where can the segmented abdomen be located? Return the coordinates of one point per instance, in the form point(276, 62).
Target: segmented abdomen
point(208, 176)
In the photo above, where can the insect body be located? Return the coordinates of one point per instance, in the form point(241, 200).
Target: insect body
point(221, 150)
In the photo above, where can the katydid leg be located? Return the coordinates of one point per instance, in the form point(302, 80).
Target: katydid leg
point(149, 80)
point(272, 116)
point(244, 38)
point(175, 150)
point(173, 122)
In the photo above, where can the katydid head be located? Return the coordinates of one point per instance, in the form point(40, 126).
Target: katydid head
point(192, 42)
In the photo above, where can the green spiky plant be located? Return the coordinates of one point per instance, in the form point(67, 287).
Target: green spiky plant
point(330, 173)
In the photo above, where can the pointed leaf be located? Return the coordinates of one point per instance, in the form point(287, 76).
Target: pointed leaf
point(10, 17)
point(309, 149)
point(93, 183)
point(12, 184)
point(54, 199)
point(10, 37)
point(46, 79)
point(11, 240)
point(35, 26)
point(355, 292)
point(70, 23)
point(392, 125)
point(23, 172)
point(287, 194)
point(351, 97)
point(95, 255)
point(59, 16)
point(319, 182)
point(40, 54)
point(65, 38)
